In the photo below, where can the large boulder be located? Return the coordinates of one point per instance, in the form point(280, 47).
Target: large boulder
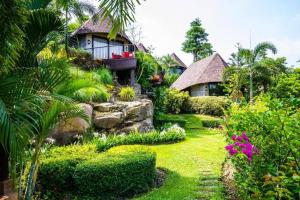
point(107, 120)
point(124, 117)
point(69, 130)
point(141, 127)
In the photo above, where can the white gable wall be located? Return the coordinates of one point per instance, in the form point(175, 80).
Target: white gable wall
point(199, 90)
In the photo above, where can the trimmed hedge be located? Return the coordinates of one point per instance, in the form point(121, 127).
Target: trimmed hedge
point(208, 105)
point(58, 165)
point(117, 173)
point(170, 135)
point(80, 171)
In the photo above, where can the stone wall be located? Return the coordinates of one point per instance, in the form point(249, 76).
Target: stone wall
point(124, 117)
point(112, 118)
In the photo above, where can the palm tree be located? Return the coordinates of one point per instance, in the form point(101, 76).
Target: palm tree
point(252, 56)
point(53, 113)
point(74, 8)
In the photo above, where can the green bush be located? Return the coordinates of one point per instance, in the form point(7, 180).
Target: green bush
point(211, 123)
point(272, 126)
point(170, 135)
point(84, 90)
point(120, 172)
point(79, 171)
point(147, 66)
point(127, 94)
point(58, 165)
point(208, 105)
point(174, 100)
point(105, 76)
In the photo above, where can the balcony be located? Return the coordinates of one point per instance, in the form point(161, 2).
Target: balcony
point(116, 57)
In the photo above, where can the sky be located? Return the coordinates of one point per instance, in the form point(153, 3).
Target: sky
point(165, 22)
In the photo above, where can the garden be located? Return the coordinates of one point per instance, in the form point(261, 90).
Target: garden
point(70, 130)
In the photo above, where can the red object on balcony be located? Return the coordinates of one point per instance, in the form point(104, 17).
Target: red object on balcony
point(115, 56)
point(127, 54)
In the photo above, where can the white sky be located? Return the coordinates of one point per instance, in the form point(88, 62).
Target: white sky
point(165, 22)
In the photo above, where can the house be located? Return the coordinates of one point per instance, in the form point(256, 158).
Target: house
point(180, 67)
point(203, 77)
point(142, 48)
point(117, 54)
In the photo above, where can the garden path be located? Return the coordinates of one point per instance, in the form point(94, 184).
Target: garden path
point(193, 166)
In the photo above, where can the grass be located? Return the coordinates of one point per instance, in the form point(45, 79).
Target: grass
point(193, 165)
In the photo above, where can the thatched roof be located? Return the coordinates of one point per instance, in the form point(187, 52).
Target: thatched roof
point(178, 61)
point(141, 47)
point(96, 25)
point(207, 70)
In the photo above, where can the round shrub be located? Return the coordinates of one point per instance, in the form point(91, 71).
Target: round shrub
point(127, 94)
point(208, 105)
point(120, 172)
point(58, 165)
point(174, 100)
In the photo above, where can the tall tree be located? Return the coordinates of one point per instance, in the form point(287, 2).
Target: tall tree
point(74, 8)
point(253, 56)
point(196, 41)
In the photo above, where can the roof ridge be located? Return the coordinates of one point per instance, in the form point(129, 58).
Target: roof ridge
point(211, 57)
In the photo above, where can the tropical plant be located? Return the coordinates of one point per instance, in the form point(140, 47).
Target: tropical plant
point(127, 94)
point(52, 114)
point(269, 129)
point(196, 41)
point(175, 100)
point(253, 56)
point(120, 12)
point(75, 8)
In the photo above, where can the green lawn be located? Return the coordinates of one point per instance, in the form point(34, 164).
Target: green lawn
point(193, 165)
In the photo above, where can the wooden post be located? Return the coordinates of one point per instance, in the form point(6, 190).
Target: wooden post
point(132, 77)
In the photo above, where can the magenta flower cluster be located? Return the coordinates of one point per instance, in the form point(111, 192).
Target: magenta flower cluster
point(242, 145)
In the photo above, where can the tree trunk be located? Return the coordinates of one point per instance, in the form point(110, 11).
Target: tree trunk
point(66, 30)
point(251, 86)
point(4, 172)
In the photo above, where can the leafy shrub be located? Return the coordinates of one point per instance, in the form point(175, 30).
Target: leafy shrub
point(272, 126)
point(125, 170)
point(96, 93)
point(58, 165)
point(211, 122)
point(170, 135)
point(147, 66)
point(105, 76)
point(169, 79)
point(84, 90)
point(79, 56)
point(208, 105)
point(174, 100)
point(163, 119)
point(120, 172)
point(127, 94)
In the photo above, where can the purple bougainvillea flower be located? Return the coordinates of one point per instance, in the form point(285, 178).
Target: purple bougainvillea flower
point(245, 137)
point(233, 151)
point(229, 147)
point(234, 137)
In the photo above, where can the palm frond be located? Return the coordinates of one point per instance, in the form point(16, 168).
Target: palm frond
point(12, 18)
point(261, 48)
point(42, 23)
point(121, 13)
point(37, 4)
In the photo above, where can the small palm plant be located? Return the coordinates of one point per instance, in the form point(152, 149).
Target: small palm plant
point(54, 113)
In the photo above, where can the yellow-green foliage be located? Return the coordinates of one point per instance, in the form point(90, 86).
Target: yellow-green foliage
point(208, 105)
point(127, 94)
point(174, 100)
